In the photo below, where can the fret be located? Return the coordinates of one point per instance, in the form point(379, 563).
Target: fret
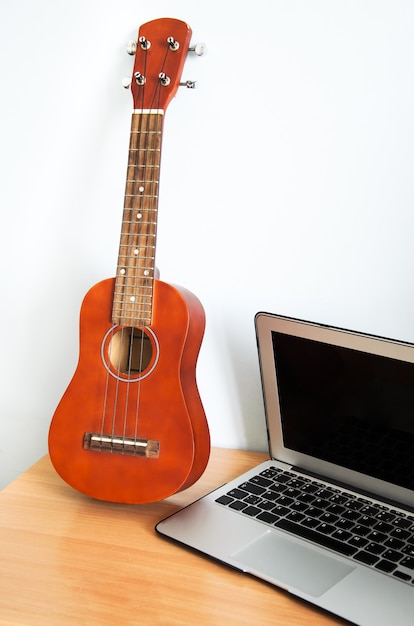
point(134, 283)
point(135, 276)
point(128, 255)
point(139, 274)
point(132, 314)
point(122, 264)
point(145, 132)
point(146, 150)
point(135, 304)
point(141, 223)
point(136, 255)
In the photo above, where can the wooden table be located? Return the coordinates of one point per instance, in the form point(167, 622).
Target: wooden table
point(66, 559)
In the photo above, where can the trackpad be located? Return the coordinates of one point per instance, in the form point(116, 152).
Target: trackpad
point(291, 564)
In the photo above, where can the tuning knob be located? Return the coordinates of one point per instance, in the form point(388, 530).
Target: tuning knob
point(190, 84)
point(126, 82)
point(131, 47)
point(199, 49)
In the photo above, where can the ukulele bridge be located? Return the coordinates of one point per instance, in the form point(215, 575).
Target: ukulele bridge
point(121, 445)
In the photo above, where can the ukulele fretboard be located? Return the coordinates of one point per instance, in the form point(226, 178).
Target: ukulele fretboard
point(133, 295)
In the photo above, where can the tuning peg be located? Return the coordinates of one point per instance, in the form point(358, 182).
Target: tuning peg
point(131, 47)
point(190, 84)
point(199, 49)
point(126, 82)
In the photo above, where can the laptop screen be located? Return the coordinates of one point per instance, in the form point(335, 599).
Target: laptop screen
point(339, 404)
point(347, 407)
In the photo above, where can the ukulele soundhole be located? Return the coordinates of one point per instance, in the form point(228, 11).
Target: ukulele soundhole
point(130, 353)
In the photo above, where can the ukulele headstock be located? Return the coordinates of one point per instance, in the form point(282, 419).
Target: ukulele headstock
point(160, 54)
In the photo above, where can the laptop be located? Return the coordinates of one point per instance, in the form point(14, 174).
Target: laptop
point(330, 516)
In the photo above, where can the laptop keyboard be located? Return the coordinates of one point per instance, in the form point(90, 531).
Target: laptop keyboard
point(353, 526)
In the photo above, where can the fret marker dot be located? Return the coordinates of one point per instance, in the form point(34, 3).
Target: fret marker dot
point(146, 273)
point(141, 189)
point(122, 271)
point(139, 215)
point(132, 299)
point(136, 251)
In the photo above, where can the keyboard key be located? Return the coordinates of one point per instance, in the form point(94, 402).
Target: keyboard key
point(296, 482)
point(237, 493)
point(385, 566)
point(385, 516)
point(350, 515)
point(266, 505)
point(358, 542)
point(330, 518)
point(395, 544)
point(343, 535)
point(339, 499)
point(409, 549)
point(392, 555)
point(369, 510)
point(323, 493)
point(270, 495)
point(252, 488)
point(306, 498)
point(374, 548)
point(366, 557)
point(367, 520)
point(309, 488)
point(377, 536)
point(299, 506)
point(400, 533)
point(344, 523)
point(295, 516)
point(337, 509)
point(224, 500)
point(261, 480)
point(326, 529)
point(313, 511)
point(280, 510)
point(284, 477)
point(320, 503)
point(401, 575)
point(360, 530)
point(402, 522)
point(252, 499)
point(310, 522)
point(383, 527)
point(408, 561)
point(238, 505)
point(285, 500)
point(267, 516)
point(270, 472)
point(353, 505)
point(252, 511)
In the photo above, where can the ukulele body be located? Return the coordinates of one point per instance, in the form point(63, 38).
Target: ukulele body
point(131, 427)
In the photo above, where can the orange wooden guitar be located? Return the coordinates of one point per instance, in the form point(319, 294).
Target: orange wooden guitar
point(131, 427)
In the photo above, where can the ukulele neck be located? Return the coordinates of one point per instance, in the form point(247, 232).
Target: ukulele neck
point(134, 283)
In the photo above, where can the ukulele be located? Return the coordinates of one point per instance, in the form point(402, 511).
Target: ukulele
point(131, 427)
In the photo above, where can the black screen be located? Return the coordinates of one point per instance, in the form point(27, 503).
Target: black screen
point(347, 407)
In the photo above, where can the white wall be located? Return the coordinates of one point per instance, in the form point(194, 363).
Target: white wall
point(287, 185)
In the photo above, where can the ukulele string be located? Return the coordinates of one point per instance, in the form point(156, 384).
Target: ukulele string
point(145, 200)
point(134, 254)
point(150, 183)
